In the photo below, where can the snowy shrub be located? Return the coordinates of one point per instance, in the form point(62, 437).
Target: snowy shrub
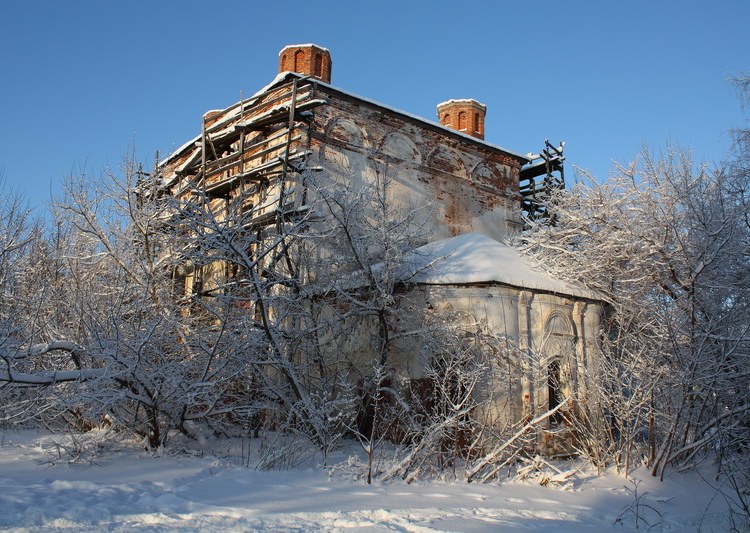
point(665, 243)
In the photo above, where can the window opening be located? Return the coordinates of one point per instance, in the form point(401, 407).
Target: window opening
point(319, 65)
point(462, 120)
point(554, 389)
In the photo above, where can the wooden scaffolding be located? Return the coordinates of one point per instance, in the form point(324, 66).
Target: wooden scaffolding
point(543, 175)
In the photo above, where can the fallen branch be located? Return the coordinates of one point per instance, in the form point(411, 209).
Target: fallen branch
point(50, 377)
point(498, 451)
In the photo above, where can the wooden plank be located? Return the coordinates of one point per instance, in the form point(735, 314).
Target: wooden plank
point(279, 115)
point(231, 161)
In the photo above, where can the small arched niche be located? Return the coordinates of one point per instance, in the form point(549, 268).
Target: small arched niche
point(445, 160)
point(400, 146)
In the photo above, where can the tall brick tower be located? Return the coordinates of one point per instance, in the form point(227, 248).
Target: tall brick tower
point(466, 116)
point(307, 59)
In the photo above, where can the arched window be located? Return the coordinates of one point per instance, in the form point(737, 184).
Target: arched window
point(462, 120)
point(318, 66)
point(446, 119)
point(298, 58)
point(477, 127)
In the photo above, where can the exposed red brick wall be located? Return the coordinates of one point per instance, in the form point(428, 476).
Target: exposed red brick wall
point(466, 116)
point(307, 59)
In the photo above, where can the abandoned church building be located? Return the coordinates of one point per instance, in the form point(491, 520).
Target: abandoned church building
point(264, 151)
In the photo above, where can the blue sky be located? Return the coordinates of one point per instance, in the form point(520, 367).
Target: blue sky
point(83, 81)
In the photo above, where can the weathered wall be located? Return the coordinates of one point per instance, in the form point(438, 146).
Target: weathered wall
point(472, 187)
point(533, 330)
point(538, 328)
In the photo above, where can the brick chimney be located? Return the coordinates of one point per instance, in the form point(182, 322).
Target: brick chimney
point(306, 59)
point(466, 116)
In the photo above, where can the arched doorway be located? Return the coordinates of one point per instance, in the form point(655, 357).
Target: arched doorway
point(557, 357)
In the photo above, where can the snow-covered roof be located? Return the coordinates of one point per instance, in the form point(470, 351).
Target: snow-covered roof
point(475, 258)
point(410, 116)
point(235, 110)
point(282, 76)
point(306, 45)
point(469, 101)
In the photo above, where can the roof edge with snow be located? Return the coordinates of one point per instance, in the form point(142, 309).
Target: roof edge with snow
point(472, 259)
point(283, 76)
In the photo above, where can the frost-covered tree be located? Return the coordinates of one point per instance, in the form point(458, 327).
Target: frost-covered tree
point(105, 337)
point(246, 275)
point(19, 297)
point(665, 243)
point(444, 424)
point(354, 270)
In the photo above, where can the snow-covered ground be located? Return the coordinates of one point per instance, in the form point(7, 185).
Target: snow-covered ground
point(126, 490)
